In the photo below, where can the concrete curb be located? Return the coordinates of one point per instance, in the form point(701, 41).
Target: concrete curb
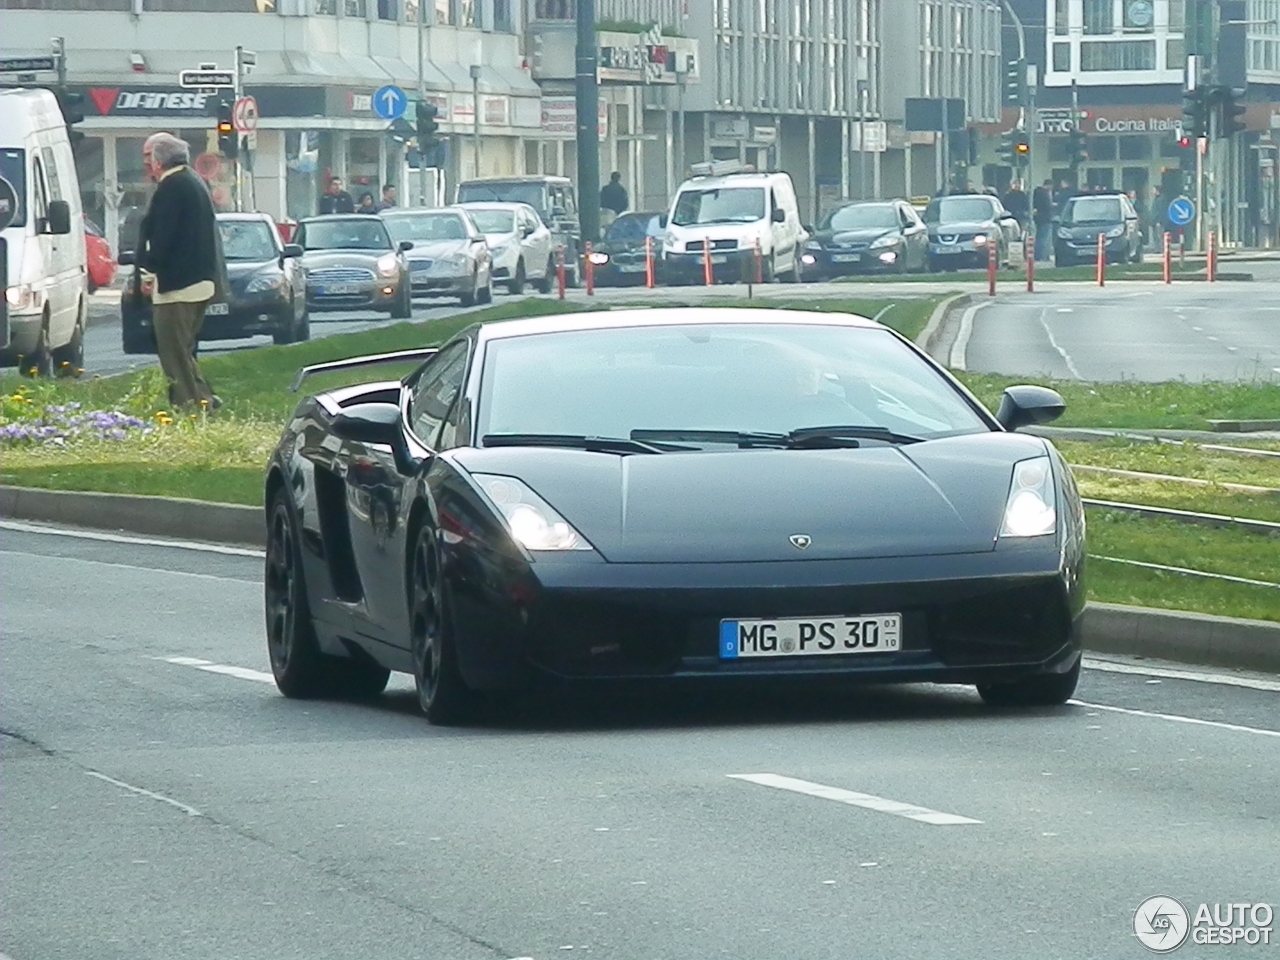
point(1108, 628)
point(932, 330)
point(154, 516)
point(1183, 637)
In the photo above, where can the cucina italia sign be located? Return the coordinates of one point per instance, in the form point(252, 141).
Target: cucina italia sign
point(1144, 125)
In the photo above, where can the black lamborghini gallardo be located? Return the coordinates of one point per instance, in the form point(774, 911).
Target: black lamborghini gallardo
point(645, 495)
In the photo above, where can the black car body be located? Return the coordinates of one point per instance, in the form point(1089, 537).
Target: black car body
point(1085, 218)
point(867, 237)
point(351, 263)
point(416, 526)
point(963, 228)
point(553, 197)
point(619, 259)
point(266, 292)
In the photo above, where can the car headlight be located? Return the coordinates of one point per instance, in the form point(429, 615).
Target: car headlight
point(264, 283)
point(1064, 233)
point(980, 240)
point(1029, 510)
point(813, 245)
point(389, 265)
point(533, 522)
point(455, 259)
point(1116, 232)
point(597, 258)
point(669, 241)
point(888, 240)
point(497, 250)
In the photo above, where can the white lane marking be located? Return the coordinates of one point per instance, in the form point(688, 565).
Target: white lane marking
point(1225, 679)
point(19, 527)
point(240, 673)
point(189, 811)
point(1214, 339)
point(961, 346)
point(1066, 357)
point(131, 566)
point(1197, 329)
point(1174, 718)
point(865, 800)
point(1065, 310)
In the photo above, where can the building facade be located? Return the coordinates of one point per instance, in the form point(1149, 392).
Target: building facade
point(319, 63)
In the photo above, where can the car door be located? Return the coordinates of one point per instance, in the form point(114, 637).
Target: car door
point(539, 240)
point(379, 491)
point(916, 236)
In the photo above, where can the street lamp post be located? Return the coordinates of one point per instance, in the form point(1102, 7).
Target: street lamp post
point(475, 120)
point(422, 98)
point(587, 90)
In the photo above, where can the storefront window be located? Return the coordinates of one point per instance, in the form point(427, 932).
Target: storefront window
point(1177, 14)
point(353, 8)
point(503, 22)
point(1060, 17)
point(1062, 57)
point(1122, 55)
point(555, 10)
point(302, 183)
point(1099, 16)
point(91, 173)
point(444, 12)
point(210, 6)
point(116, 5)
point(1102, 148)
point(1135, 148)
point(325, 7)
point(1175, 54)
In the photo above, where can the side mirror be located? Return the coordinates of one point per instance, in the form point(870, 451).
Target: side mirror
point(292, 251)
point(404, 246)
point(779, 215)
point(662, 220)
point(807, 228)
point(58, 221)
point(127, 258)
point(527, 230)
point(369, 423)
point(1025, 405)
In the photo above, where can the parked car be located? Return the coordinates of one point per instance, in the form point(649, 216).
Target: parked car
point(266, 289)
point(446, 253)
point(352, 263)
point(740, 215)
point(867, 237)
point(99, 263)
point(519, 243)
point(552, 197)
point(963, 226)
point(618, 260)
point(1085, 218)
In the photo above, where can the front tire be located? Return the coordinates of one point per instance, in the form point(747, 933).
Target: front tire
point(68, 359)
point(515, 286)
point(39, 363)
point(403, 309)
point(1044, 690)
point(443, 695)
point(548, 278)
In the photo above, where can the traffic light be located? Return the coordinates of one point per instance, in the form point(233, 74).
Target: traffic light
point(1230, 121)
point(228, 142)
point(1008, 152)
point(1077, 150)
point(1016, 83)
point(427, 126)
point(1022, 148)
point(1195, 114)
point(72, 107)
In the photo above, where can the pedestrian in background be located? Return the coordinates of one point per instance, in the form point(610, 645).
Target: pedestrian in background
point(388, 197)
point(179, 243)
point(613, 196)
point(367, 204)
point(335, 199)
point(1042, 217)
point(1018, 203)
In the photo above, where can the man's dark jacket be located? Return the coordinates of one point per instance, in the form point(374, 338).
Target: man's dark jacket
point(179, 240)
point(1042, 205)
point(339, 202)
point(613, 196)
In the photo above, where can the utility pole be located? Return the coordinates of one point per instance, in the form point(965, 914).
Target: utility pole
point(588, 97)
point(422, 98)
point(475, 120)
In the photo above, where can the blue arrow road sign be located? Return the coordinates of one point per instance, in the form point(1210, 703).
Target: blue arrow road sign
point(1182, 211)
point(389, 102)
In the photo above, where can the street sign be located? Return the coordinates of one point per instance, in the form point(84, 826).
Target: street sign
point(208, 165)
point(27, 64)
point(245, 114)
point(8, 203)
point(1182, 211)
point(389, 102)
point(194, 79)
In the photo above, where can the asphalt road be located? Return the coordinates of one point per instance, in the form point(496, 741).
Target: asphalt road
point(162, 800)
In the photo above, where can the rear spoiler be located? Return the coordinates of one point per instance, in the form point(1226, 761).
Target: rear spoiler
point(401, 356)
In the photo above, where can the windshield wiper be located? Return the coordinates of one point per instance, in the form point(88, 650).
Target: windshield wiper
point(740, 438)
point(801, 439)
point(618, 445)
point(824, 436)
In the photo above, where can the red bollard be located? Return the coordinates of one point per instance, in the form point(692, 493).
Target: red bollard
point(708, 275)
point(560, 282)
point(1031, 265)
point(1168, 258)
point(991, 268)
point(649, 279)
point(1211, 258)
point(1102, 260)
point(589, 269)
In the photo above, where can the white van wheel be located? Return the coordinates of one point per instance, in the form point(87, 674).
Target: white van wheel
point(68, 359)
point(38, 363)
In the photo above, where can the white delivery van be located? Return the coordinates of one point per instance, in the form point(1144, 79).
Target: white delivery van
point(735, 214)
point(45, 281)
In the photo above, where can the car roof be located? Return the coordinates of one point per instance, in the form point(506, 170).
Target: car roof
point(338, 216)
point(733, 180)
point(494, 205)
point(421, 211)
point(669, 317)
point(247, 215)
point(537, 178)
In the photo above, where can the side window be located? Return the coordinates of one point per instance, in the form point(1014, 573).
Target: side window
point(51, 172)
point(773, 201)
point(39, 191)
point(436, 391)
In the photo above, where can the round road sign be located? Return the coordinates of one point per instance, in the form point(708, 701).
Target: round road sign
point(1182, 211)
point(208, 165)
point(8, 203)
point(245, 114)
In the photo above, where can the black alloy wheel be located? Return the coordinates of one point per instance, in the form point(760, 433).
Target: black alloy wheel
point(548, 278)
point(1044, 690)
point(443, 695)
point(300, 669)
point(515, 286)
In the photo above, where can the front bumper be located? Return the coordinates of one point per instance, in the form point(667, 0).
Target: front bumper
point(377, 294)
point(961, 253)
point(965, 619)
point(24, 335)
point(1081, 251)
point(245, 317)
point(441, 280)
point(727, 266)
point(847, 263)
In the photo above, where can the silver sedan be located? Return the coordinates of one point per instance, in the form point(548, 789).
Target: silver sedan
point(448, 256)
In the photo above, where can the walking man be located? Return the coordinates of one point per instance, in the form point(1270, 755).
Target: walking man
point(1042, 216)
point(335, 199)
point(613, 196)
point(179, 244)
point(388, 200)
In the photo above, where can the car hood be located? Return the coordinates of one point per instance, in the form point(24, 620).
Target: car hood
point(940, 497)
point(862, 235)
point(241, 269)
point(318, 259)
point(498, 239)
point(961, 226)
point(436, 248)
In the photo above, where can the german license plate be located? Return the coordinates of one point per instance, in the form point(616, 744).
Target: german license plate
point(845, 257)
point(631, 268)
point(336, 289)
point(948, 248)
point(810, 636)
point(719, 258)
point(216, 310)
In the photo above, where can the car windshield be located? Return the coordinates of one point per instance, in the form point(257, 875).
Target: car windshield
point(633, 227)
point(719, 205)
point(732, 377)
point(13, 167)
point(427, 228)
point(502, 192)
point(494, 221)
point(959, 210)
point(862, 216)
point(357, 233)
point(1093, 210)
point(247, 240)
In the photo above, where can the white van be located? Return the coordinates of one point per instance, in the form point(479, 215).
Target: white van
point(736, 213)
point(45, 280)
